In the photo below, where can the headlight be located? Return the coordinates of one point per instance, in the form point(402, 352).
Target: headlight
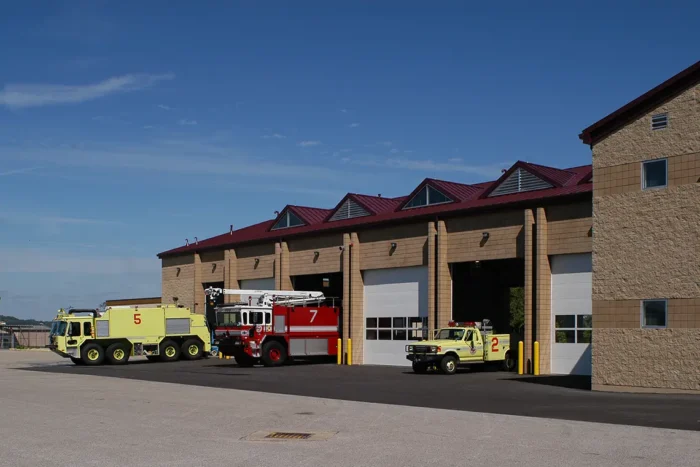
point(409, 348)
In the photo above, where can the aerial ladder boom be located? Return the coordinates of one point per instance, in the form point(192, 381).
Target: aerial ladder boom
point(270, 297)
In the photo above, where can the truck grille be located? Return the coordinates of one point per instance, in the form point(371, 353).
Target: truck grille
point(421, 349)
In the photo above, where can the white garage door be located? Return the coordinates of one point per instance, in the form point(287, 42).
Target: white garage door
point(257, 284)
point(571, 314)
point(396, 306)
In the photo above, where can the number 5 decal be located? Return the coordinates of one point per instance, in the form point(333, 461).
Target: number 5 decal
point(313, 315)
point(137, 318)
point(494, 344)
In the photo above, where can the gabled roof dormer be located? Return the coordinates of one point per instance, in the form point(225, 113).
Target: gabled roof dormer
point(427, 195)
point(286, 220)
point(349, 209)
point(522, 177)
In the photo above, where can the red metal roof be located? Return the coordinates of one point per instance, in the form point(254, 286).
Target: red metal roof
point(641, 105)
point(576, 184)
point(456, 191)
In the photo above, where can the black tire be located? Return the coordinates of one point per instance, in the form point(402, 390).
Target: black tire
point(510, 362)
point(244, 360)
point(77, 361)
point(118, 354)
point(92, 354)
point(169, 351)
point(152, 358)
point(273, 354)
point(448, 365)
point(420, 368)
point(189, 347)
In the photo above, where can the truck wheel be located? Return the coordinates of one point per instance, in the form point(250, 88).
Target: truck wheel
point(169, 351)
point(420, 368)
point(192, 349)
point(448, 365)
point(273, 354)
point(244, 360)
point(77, 361)
point(117, 354)
point(509, 362)
point(92, 354)
point(152, 358)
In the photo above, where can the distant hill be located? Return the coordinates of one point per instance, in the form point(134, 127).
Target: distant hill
point(12, 321)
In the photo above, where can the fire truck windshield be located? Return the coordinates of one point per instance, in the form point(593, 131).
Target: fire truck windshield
point(58, 328)
point(450, 334)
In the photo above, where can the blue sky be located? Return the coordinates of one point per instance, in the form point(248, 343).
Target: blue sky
point(126, 127)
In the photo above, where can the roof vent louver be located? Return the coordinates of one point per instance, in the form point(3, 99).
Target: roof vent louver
point(518, 181)
point(659, 121)
point(349, 210)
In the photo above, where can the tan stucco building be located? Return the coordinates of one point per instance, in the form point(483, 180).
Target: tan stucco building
point(646, 247)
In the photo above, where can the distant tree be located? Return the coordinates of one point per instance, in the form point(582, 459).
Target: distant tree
point(517, 308)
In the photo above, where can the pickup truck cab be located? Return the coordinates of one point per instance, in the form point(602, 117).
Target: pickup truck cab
point(461, 344)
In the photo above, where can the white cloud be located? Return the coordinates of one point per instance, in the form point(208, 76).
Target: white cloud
point(393, 151)
point(274, 136)
point(19, 171)
point(354, 125)
point(454, 160)
point(306, 144)
point(51, 224)
point(42, 260)
point(164, 107)
point(18, 96)
point(344, 111)
point(186, 122)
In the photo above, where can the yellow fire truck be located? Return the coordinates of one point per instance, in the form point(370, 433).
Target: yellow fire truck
point(461, 344)
point(159, 332)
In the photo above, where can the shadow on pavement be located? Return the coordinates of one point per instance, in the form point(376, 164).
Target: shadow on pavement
point(581, 382)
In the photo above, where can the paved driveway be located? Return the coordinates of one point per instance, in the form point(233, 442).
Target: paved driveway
point(475, 391)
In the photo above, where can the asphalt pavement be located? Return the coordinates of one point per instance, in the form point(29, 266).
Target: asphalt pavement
point(553, 397)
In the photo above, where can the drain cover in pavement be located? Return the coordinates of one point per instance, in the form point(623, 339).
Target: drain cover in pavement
point(289, 436)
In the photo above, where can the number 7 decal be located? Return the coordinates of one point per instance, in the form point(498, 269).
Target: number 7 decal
point(494, 344)
point(313, 315)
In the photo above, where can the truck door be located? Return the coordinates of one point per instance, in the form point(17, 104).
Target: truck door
point(475, 346)
point(73, 339)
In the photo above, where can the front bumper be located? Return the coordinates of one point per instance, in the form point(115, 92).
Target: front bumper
point(423, 358)
point(53, 348)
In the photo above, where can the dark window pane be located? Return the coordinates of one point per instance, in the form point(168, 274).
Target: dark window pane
point(384, 335)
point(87, 329)
point(436, 197)
point(385, 322)
point(421, 199)
point(564, 321)
point(415, 321)
point(399, 334)
point(655, 313)
point(371, 322)
point(399, 322)
point(565, 337)
point(583, 337)
point(584, 321)
point(293, 220)
point(655, 174)
point(74, 329)
point(371, 335)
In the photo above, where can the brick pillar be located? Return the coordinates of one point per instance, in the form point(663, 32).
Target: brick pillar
point(444, 277)
point(231, 274)
point(432, 261)
point(199, 299)
point(357, 313)
point(346, 292)
point(282, 279)
point(543, 301)
point(528, 227)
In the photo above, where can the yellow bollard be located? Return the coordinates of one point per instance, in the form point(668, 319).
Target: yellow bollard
point(221, 355)
point(349, 351)
point(228, 357)
point(520, 357)
point(340, 351)
point(537, 358)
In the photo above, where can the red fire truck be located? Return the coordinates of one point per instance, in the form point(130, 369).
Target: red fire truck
point(280, 325)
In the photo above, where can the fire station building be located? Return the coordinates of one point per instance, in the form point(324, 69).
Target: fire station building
point(616, 267)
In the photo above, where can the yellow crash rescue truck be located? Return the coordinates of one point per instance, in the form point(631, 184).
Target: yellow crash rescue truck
point(462, 344)
point(159, 332)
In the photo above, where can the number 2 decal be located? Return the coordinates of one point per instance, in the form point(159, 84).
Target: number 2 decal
point(137, 318)
point(313, 315)
point(494, 344)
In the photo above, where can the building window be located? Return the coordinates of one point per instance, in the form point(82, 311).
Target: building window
point(287, 220)
point(654, 174)
point(573, 329)
point(428, 196)
point(659, 121)
point(654, 314)
point(397, 329)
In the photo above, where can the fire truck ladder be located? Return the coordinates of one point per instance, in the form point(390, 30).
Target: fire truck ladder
point(267, 298)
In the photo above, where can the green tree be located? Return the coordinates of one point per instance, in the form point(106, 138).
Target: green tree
point(517, 308)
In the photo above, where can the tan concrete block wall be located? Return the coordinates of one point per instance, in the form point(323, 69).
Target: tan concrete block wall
point(647, 358)
point(199, 298)
point(411, 249)
point(213, 266)
point(444, 273)
point(231, 274)
point(432, 260)
point(544, 293)
point(637, 141)
point(627, 178)
point(285, 281)
point(357, 288)
point(466, 242)
point(246, 261)
point(647, 244)
point(682, 313)
point(303, 261)
point(569, 228)
point(528, 246)
point(176, 283)
point(346, 293)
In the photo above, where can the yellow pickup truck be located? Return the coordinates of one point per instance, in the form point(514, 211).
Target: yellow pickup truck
point(462, 344)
